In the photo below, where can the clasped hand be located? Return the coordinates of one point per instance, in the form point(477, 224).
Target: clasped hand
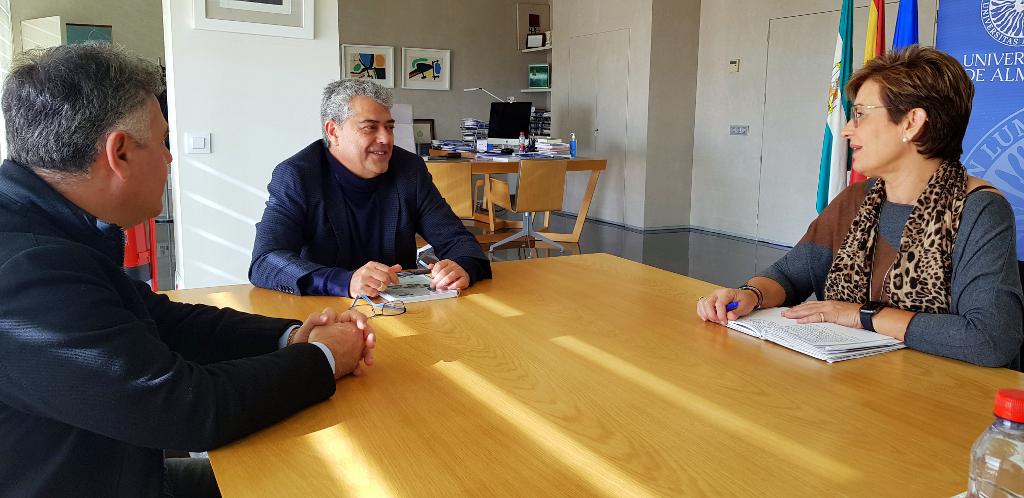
point(348, 335)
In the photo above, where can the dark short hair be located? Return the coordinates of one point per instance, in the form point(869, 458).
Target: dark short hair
point(61, 103)
point(922, 77)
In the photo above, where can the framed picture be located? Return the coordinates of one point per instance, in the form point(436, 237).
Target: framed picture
point(423, 130)
point(426, 69)
point(369, 61)
point(81, 33)
point(287, 18)
point(532, 19)
point(540, 76)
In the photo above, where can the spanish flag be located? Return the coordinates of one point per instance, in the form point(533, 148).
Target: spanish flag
point(874, 45)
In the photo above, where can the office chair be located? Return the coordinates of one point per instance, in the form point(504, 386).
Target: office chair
point(453, 180)
point(541, 188)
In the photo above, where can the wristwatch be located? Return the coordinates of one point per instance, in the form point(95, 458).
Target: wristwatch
point(867, 314)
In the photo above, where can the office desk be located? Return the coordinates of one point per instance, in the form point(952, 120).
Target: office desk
point(594, 166)
point(592, 375)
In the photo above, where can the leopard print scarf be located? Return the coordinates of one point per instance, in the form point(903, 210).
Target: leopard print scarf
point(919, 279)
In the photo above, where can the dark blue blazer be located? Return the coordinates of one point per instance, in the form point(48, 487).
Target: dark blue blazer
point(304, 226)
point(98, 374)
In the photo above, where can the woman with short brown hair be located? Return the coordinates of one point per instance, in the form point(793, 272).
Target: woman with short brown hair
point(920, 251)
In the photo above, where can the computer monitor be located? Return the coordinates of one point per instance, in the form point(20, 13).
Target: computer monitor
point(507, 120)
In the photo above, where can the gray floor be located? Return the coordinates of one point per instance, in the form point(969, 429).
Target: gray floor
point(723, 260)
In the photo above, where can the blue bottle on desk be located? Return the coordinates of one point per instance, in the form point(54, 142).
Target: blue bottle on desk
point(572, 145)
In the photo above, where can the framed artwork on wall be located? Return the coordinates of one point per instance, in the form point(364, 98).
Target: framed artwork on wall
point(287, 18)
point(539, 76)
point(426, 69)
point(372, 62)
point(81, 33)
point(533, 25)
point(423, 130)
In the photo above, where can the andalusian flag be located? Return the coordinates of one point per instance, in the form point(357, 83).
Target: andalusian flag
point(835, 151)
point(906, 25)
point(874, 45)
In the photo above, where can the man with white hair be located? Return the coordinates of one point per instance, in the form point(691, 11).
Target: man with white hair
point(344, 212)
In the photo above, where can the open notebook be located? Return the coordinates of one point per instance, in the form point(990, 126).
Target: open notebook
point(415, 288)
point(824, 341)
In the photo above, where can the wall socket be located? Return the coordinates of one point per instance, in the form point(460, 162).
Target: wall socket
point(739, 129)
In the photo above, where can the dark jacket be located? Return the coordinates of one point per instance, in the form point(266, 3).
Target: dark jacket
point(305, 228)
point(98, 374)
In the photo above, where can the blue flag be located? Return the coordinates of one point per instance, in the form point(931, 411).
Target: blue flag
point(906, 25)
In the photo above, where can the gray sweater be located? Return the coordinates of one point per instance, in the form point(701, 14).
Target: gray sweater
point(985, 323)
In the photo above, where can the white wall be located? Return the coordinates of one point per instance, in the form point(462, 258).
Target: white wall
point(726, 169)
point(572, 18)
point(135, 24)
point(259, 97)
point(675, 39)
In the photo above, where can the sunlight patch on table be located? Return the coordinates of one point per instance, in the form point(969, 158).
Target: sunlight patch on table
point(493, 305)
point(604, 477)
point(391, 327)
point(346, 464)
point(721, 417)
point(225, 300)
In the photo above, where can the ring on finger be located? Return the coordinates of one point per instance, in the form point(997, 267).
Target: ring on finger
point(701, 298)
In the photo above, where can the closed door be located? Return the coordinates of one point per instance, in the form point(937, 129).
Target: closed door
point(794, 116)
point(598, 98)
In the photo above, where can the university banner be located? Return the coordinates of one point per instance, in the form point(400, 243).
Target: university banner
point(987, 37)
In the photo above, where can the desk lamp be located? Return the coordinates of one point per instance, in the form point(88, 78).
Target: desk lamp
point(499, 99)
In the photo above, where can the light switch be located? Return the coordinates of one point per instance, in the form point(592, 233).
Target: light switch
point(739, 129)
point(197, 143)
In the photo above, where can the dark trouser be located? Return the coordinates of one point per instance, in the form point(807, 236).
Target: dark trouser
point(191, 478)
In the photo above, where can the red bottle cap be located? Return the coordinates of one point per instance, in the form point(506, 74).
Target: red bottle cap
point(1010, 404)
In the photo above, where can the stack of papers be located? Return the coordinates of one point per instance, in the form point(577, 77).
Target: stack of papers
point(473, 129)
point(514, 158)
point(824, 341)
point(554, 148)
point(451, 145)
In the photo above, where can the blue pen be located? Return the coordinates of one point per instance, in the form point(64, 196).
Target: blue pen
point(731, 306)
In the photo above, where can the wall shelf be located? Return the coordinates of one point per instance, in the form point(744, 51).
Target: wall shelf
point(538, 49)
point(535, 90)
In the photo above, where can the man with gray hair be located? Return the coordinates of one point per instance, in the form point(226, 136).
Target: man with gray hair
point(97, 373)
point(344, 212)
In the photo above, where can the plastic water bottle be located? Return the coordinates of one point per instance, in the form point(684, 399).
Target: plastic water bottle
point(522, 142)
point(572, 145)
point(997, 457)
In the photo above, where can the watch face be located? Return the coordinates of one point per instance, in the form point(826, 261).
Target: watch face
point(872, 307)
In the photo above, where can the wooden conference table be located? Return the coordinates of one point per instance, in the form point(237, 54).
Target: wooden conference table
point(487, 168)
point(592, 375)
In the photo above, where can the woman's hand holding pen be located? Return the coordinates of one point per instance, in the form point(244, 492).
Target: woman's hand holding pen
point(726, 304)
